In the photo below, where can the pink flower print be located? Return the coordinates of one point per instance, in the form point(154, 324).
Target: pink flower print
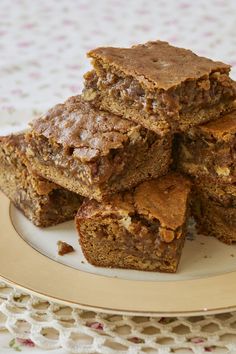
point(95, 325)
point(208, 34)
point(108, 18)
point(26, 342)
point(184, 5)
point(209, 18)
point(17, 92)
point(171, 22)
point(74, 67)
point(142, 12)
point(24, 44)
point(35, 75)
point(9, 109)
point(172, 39)
point(60, 38)
point(74, 88)
point(83, 6)
point(67, 22)
point(17, 343)
point(29, 25)
point(143, 28)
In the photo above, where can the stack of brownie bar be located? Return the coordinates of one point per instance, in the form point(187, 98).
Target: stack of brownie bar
point(112, 148)
point(208, 154)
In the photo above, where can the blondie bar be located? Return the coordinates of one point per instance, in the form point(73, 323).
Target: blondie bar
point(214, 208)
point(209, 150)
point(95, 153)
point(159, 86)
point(43, 202)
point(142, 229)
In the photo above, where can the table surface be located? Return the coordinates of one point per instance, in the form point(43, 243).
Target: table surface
point(43, 47)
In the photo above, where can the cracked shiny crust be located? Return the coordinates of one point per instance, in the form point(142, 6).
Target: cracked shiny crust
point(89, 151)
point(90, 133)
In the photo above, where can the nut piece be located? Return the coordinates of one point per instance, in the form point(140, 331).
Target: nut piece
point(167, 235)
point(89, 95)
point(126, 222)
point(134, 134)
point(204, 84)
point(222, 171)
point(64, 248)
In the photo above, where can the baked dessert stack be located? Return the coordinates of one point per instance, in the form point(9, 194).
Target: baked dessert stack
point(208, 154)
point(170, 89)
point(112, 148)
point(117, 165)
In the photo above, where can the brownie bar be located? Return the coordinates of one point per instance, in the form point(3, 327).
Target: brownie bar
point(41, 201)
point(210, 150)
point(214, 208)
point(95, 153)
point(141, 229)
point(159, 86)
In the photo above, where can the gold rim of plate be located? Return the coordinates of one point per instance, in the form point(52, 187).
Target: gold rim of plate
point(27, 269)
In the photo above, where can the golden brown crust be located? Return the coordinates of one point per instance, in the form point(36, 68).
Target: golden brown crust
point(158, 64)
point(164, 199)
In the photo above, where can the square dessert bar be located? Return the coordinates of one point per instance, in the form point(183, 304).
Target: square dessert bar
point(43, 202)
point(142, 229)
point(214, 208)
point(95, 153)
point(210, 150)
point(159, 86)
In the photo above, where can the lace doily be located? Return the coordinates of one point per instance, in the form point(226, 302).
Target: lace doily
point(50, 325)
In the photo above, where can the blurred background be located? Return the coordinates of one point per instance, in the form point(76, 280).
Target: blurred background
point(43, 44)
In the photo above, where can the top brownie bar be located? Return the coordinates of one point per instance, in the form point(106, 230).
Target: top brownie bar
point(95, 153)
point(159, 86)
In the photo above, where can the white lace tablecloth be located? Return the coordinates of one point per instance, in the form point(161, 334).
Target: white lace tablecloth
point(43, 48)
